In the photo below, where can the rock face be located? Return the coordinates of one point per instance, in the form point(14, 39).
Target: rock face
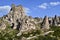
point(2, 26)
point(55, 20)
point(45, 24)
point(19, 20)
point(16, 16)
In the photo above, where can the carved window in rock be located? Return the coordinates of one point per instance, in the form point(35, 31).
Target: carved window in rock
point(12, 25)
point(19, 26)
point(58, 23)
point(26, 21)
point(9, 19)
point(17, 20)
point(0, 24)
point(59, 19)
point(29, 24)
point(49, 21)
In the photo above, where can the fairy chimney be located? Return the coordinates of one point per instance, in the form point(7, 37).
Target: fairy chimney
point(55, 21)
point(45, 24)
point(16, 13)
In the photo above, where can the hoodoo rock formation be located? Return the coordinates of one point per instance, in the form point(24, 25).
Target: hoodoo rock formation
point(20, 21)
point(45, 24)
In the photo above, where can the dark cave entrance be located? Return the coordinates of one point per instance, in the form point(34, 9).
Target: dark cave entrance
point(19, 26)
point(12, 25)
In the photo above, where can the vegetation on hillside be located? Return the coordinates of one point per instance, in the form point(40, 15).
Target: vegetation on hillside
point(11, 34)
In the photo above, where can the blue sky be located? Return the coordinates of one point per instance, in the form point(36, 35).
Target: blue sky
point(34, 8)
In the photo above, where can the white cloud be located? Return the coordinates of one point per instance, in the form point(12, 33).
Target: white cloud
point(27, 10)
point(4, 10)
point(43, 6)
point(48, 5)
point(5, 7)
point(54, 3)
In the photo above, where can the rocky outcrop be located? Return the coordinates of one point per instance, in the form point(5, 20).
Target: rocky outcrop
point(27, 25)
point(45, 23)
point(2, 25)
point(55, 20)
point(20, 21)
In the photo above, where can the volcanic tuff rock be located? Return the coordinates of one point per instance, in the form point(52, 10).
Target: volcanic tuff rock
point(45, 24)
point(20, 21)
point(55, 20)
point(2, 26)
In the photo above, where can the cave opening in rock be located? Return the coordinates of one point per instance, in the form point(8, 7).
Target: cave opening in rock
point(19, 25)
point(12, 25)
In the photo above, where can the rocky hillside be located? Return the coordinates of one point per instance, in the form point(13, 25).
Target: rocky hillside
point(17, 19)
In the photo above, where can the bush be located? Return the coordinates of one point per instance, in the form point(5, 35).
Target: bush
point(8, 34)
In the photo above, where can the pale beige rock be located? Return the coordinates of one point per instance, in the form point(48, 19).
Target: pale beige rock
point(45, 23)
point(2, 26)
point(20, 20)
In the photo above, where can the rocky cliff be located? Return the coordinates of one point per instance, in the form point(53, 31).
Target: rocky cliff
point(18, 19)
